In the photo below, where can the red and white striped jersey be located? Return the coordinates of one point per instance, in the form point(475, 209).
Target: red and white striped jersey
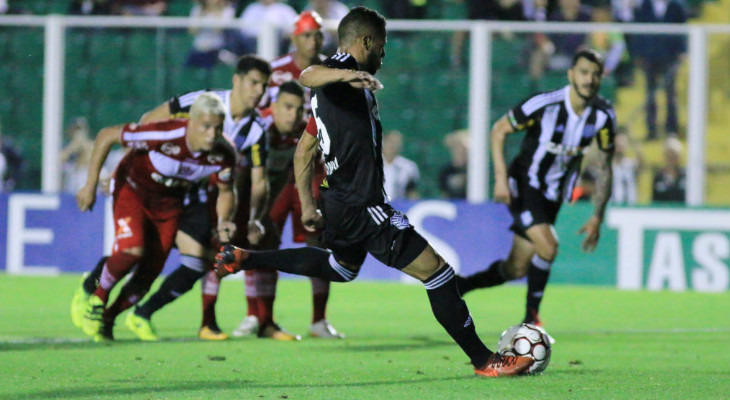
point(161, 162)
point(284, 69)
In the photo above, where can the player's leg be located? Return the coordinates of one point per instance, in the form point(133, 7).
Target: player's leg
point(129, 224)
point(501, 271)
point(89, 282)
point(180, 281)
point(250, 323)
point(397, 244)
point(546, 249)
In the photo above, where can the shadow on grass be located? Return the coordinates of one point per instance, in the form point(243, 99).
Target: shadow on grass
point(78, 343)
point(192, 386)
point(411, 343)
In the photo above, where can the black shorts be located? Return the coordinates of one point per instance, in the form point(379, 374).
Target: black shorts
point(195, 221)
point(353, 231)
point(529, 207)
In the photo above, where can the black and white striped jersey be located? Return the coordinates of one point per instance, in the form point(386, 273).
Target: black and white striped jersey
point(556, 138)
point(350, 136)
point(247, 134)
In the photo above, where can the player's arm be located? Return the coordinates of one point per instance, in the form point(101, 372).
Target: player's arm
point(107, 137)
point(319, 75)
point(259, 193)
point(500, 130)
point(159, 113)
point(225, 208)
point(305, 158)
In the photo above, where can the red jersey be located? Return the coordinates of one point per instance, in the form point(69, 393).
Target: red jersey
point(162, 164)
point(284, 69)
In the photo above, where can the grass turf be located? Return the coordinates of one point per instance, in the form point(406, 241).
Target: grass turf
point(610, 345)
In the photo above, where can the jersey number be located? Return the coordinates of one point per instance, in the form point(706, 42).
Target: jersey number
point(322, 135)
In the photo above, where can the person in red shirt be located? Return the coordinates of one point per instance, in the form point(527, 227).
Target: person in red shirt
point(148, 191)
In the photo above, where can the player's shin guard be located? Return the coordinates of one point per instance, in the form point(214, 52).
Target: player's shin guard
point(307, 261)
point(537, 278)
point(177, 283)
point(452, 313)
point(491, 276)
point(115, 268)
point(92, 280)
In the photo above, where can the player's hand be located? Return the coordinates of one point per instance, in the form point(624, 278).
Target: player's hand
point(363, 80)
point(86, 197)
point(256, 232)
point(501, 192)
point(312, 220)
point(592, 229)
point(226, 229)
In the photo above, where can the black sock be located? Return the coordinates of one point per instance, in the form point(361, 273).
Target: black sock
point(178, 282)
point(492, 276)
point(307, 261)
point(537, 279)
point(452, 313)
point(92, 281)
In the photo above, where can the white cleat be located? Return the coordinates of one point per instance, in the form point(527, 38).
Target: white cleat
point(323, 330)
point(249, 326)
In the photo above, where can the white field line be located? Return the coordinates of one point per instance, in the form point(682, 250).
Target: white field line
point(39, 340)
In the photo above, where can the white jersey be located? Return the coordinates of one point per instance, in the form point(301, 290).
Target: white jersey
point(401, 175)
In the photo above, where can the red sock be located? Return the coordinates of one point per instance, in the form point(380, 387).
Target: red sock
point(210, 287)
point(266, 290)
point(250, 291)
point(209, 310)
point(117, 266)
point(320, 295)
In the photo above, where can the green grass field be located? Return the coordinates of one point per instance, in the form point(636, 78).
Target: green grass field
point(610, 345)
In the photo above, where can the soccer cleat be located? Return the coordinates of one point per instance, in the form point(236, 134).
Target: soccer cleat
point(323, 330)
point(211, 333)
point(228, 260)
point(273, 331)
point(498, 365)
point(92, 321)
point(249, 326)
point(78, 303)
point(141, 327)
point(105, 334)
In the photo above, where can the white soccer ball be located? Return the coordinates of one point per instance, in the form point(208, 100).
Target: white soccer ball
point(527, 340)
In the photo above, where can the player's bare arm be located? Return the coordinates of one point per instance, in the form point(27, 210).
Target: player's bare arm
point(107, 137)
point(604, 185)
point(259, 193)
point(318, 75)
point(500, 130)
point(225, 209)
point(159, 113)
point(304, 159)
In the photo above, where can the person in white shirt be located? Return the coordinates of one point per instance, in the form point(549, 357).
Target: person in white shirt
point(266, 12)
point(401, 174)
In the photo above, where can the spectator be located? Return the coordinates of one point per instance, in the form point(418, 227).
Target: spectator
point(264, 12)
point(452, 178)
point(331, 10)
point(13, 164)
point(611, 45)
point(140, 7)
point(669, 181)
point(208, 41)
point(90, 7)
point(660, 57)
point(3, 7)
point(76, 155)
point(401, 174)
point(625, 169)
point(404, 9)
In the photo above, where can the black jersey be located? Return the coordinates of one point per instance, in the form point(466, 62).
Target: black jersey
point(552, 150)
point(350, 136)
point(247, 134)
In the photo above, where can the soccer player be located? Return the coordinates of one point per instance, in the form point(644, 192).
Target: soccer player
point(560, 125)
point(244, 126)
point(260, 289)
point(354, 214)
point(149, 187)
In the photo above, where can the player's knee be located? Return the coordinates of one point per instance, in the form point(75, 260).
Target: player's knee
point(547, 251)
point(134, 251)
point(514, 270)
point(425, 265)
point(343, 271)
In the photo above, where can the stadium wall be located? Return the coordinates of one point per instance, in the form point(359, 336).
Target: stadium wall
point(653, 248)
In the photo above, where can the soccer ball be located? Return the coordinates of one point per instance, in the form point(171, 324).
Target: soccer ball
point(527, 340)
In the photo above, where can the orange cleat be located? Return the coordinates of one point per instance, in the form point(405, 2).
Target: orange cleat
point(500, 365)
point(229, 259)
